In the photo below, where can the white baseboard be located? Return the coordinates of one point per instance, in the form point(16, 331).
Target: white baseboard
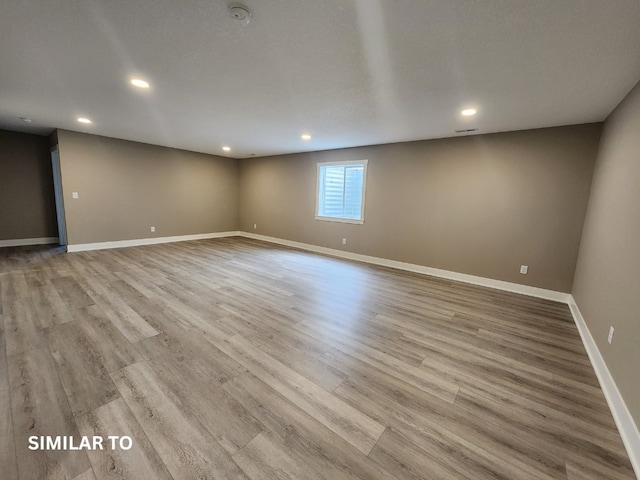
point(410, 267)
point(21, 242)
point(83, 247)
point(624, 421)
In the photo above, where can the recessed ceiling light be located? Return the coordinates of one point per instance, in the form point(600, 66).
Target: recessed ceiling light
point(468, 112)
point(139, 83)
point(306, 136)
point(226, 149)
point(84, 120)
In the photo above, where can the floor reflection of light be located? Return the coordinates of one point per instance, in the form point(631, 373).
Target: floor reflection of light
point(336, 293)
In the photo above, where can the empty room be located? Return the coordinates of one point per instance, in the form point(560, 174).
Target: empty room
point(320, 240)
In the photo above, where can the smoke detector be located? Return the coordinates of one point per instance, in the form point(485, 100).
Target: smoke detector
point(240, 13)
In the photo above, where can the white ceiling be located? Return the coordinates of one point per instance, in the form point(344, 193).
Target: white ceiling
point(349, 72)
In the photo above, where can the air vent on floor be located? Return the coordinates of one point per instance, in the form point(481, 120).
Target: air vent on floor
point(468, 130)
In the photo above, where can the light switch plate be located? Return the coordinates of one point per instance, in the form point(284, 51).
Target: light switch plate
point(74, 194)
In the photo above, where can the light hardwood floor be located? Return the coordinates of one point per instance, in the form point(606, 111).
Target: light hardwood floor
point(235, 359)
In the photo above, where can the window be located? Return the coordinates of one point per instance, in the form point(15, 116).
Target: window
point(341, 187)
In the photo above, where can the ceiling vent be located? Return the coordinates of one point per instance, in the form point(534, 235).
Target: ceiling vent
point(468, 130)
point(240, 13)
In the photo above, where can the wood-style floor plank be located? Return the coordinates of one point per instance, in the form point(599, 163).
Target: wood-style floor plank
point(463, 442)
point(234, 358)
point(49, 307)
point(116, 308)
point(349, 423)
point(88, 475)
point(603, 457)
point(21, 330)
point(431, 422)
point(71, 292)
point(40, 408)
point(190, 379)
point(408, 461)
point(307, 363)
point(125, 318)
point(139, 461)
point(185, 446)
point(420, 378)
point(7, 448)
point(265, 458)
point(108, 343)
point(77, 362)
point(325, 451)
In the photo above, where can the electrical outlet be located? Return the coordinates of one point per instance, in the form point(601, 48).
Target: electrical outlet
point(610, 339)
point(255, 225)
point(153, 229)
point(74, 194)
point(344, 241)
point(524, 269)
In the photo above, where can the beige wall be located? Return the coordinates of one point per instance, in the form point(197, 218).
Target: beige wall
point(480, 205)
point(27, 205)
point(607, 281)
point(125, 187)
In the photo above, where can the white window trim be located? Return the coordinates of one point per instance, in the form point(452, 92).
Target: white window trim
point(364, 163)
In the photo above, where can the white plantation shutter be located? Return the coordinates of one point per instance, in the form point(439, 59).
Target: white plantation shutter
point(341, 191)
point(353, 177)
